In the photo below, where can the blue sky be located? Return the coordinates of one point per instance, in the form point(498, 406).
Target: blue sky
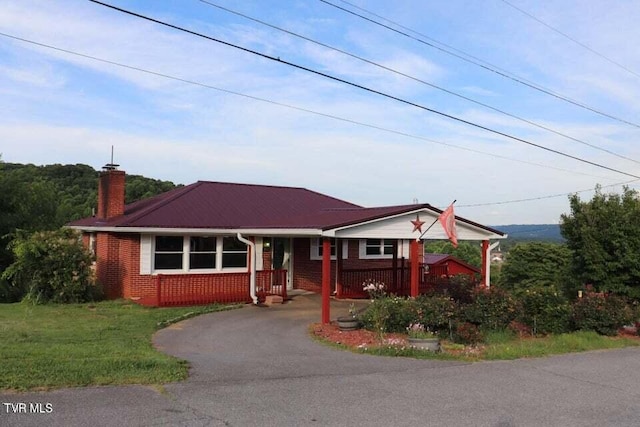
point(60, 108)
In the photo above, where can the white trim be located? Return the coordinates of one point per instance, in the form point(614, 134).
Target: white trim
point(145, 254)
point(314, 250)
point(259, 260)
point(271, 232)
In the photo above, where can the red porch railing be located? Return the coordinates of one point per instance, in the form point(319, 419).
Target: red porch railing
point(271, 282)
point(429, 278)
point(397, 281)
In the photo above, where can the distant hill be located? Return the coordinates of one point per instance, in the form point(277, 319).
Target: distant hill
point(538, 232)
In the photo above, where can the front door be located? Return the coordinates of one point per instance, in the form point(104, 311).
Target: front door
point(281, 257)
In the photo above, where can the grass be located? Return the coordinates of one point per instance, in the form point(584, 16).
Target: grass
point(52, 346)
point(501, 349)
point(499, 345)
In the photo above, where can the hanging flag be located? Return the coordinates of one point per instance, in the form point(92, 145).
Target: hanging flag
point(448, 221)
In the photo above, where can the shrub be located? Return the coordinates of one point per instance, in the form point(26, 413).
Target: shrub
point(435, 312)
point(604, 314)
point(459, 287)
point(544, 309)
point(468, 333)
point(392, 314)
point(52, 266)
point(490, 309)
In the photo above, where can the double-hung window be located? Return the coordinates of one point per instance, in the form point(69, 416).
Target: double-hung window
point(169, 253)
point(202, 252)
point(376, 248)
point(234, 253)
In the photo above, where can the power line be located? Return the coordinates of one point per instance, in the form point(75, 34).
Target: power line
point(365, 88)
point(531, 199)
point(491, 68)
point(450, 92)
point(565, 35)
point(293, 107)
point(167, 76)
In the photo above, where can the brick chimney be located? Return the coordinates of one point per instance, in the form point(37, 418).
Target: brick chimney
point(110, 192)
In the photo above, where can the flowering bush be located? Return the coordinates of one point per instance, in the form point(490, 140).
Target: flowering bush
point(604, 314)
point(435, 312)
point(544, 310)
point(394, 312)
point(490, 309)
point(374, 288)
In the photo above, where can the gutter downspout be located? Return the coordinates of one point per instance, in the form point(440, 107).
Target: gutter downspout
point(252, 273)
point(487, 279)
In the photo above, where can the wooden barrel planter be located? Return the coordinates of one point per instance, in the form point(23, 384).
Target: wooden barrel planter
point(348, 323)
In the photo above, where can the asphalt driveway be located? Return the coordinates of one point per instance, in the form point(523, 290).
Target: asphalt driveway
point(256, 366)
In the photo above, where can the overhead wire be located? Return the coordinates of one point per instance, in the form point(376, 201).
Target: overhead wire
point(327, 116)
point(392, 70)
point(531, 199)
point(492, 69)
point(293, 107)
point(565, 35)
point(362, 87)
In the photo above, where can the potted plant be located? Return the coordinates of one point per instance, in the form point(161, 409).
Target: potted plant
point(422, 338)
point(350, 322)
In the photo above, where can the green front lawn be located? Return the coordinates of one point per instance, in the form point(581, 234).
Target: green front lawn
point(52, 346)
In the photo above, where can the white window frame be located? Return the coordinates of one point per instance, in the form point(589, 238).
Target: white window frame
point(316, 244)
point(363, 250)
point(186, 247)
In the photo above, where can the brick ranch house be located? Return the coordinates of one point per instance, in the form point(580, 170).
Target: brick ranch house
point(223, 242)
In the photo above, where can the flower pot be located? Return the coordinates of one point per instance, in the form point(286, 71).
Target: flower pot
point(348, 323)
point(431, 344)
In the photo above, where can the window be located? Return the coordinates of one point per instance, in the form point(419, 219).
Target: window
point(376, 248)
point(234, 253)
point(316, 249)
point(202, 252)
point(168, 254)
point(181, 254)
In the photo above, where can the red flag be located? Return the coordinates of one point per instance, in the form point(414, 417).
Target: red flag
point(448, 221)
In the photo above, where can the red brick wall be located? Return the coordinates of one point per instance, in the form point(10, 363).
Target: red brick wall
point(111, 194)
point(118, 271)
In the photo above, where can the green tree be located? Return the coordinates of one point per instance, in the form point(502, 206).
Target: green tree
point(604, 237)
point(466, 251)
point(535, 264)
point(52, 266)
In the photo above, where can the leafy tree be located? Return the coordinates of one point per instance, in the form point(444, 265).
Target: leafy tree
point(466, 251)
point(47, 197)
point(535, 264)
point(604, 237)
point(52, 266)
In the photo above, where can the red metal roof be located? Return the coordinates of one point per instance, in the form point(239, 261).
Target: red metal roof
point(220, 205)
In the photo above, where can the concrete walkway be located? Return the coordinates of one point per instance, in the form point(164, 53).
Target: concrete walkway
point(257, 366)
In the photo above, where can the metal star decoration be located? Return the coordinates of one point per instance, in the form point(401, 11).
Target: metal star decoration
point(417, 224)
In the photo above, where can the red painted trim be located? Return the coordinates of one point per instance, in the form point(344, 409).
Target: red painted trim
point(326, 280)
point(483, 269)
point(415, 262)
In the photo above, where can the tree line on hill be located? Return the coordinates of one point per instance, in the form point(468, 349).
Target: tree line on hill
point(36, 198)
